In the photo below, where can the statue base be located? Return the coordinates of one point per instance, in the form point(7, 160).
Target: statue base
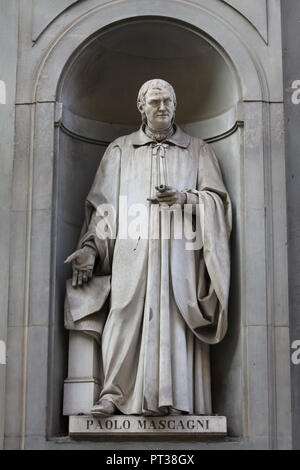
point(178, 425)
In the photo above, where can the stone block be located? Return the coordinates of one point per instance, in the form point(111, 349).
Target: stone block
point(83, 355)
point(14, 382)
point(80, 395)
point(36, 390)
point(40, 267)
point(17, 268)
point(148, 426)
point(258, 382)
point(82, 387)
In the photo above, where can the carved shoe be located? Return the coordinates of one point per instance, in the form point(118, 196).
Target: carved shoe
point(162, 411)
point(104, 408)
point(174, 411)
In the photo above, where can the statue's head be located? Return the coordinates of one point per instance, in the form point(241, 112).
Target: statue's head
point(157, 103)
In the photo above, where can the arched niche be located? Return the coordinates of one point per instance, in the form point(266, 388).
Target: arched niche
point(97, 95)
point(52, 142)
point(250, 364)
point(102, 80)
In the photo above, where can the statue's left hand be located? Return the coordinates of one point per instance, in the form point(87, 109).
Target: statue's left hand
point(171, 196)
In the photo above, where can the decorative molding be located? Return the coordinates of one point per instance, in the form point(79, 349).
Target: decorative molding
point(41, 21)
point(105, 143)
point(2, 92)
point(103, 133)
point(74, 135)
point(256, 12)
point(245, 65)
point(225, 134)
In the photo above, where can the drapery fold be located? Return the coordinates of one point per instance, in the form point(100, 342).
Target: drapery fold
point(169, 296)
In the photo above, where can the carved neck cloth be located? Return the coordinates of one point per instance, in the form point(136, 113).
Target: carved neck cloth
point(159, 136)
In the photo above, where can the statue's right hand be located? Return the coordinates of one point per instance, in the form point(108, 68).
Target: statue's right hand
point(83, 261)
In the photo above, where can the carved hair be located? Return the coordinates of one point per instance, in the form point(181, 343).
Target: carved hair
point(156, 83)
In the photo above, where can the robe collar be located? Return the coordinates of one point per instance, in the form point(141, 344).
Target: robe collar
point(179, 138)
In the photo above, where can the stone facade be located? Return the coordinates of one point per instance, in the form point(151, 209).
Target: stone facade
point(54, 131)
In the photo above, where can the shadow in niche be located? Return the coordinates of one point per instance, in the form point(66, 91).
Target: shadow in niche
point(98, 91)
point(226, 363)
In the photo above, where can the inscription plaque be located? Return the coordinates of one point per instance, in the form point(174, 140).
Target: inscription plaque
point(166, 425)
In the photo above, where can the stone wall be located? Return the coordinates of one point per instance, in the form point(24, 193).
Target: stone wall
point(8, 66)
point(50, 40)
point(291, 57)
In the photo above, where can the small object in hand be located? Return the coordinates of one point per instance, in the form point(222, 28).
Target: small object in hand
point(162, 188)
point(154, 200)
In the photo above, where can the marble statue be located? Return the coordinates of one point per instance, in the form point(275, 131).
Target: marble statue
point(165, 257)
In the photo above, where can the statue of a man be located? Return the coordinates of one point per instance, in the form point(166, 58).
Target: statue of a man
point(169, 295)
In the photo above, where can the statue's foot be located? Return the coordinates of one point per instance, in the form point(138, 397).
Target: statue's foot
point(174, 411)
point(150, 413)
point(162, 411)
point(104, 408)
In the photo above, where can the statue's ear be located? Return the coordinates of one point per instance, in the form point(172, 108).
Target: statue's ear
point(141, 107)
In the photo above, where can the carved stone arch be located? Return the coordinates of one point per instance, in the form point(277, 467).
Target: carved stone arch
point(256, 410)
point(229, 42)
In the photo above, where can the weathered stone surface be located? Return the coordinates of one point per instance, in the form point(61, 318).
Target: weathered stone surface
point(44, 12)
point(158, 426)
point(263, 390)
point(8, 65)
point(255, 12)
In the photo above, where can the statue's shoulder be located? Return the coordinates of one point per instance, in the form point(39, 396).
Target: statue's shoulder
point(124, 140)
point(199, 143)
point(188, 140)
point(118, 142)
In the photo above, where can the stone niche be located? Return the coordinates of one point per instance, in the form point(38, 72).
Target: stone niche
point(76, 92)
point(98, 94)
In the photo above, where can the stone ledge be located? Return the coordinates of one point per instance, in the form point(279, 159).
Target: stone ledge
point(140, 425)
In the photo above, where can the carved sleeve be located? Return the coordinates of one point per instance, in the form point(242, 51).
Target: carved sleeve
point(101, 209)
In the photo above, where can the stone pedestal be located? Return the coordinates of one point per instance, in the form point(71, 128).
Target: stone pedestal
point(45, 155)
point(155, 426)
point(82, 386)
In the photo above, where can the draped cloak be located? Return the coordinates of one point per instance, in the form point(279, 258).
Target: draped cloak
point(168, 299)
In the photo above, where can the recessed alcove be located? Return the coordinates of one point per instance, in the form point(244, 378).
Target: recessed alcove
point(102, 82)
point(98, 92)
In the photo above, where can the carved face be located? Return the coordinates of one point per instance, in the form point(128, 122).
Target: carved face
point(159, 108)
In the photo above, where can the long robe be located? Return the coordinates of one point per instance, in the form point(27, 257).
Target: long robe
point(168, 303)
